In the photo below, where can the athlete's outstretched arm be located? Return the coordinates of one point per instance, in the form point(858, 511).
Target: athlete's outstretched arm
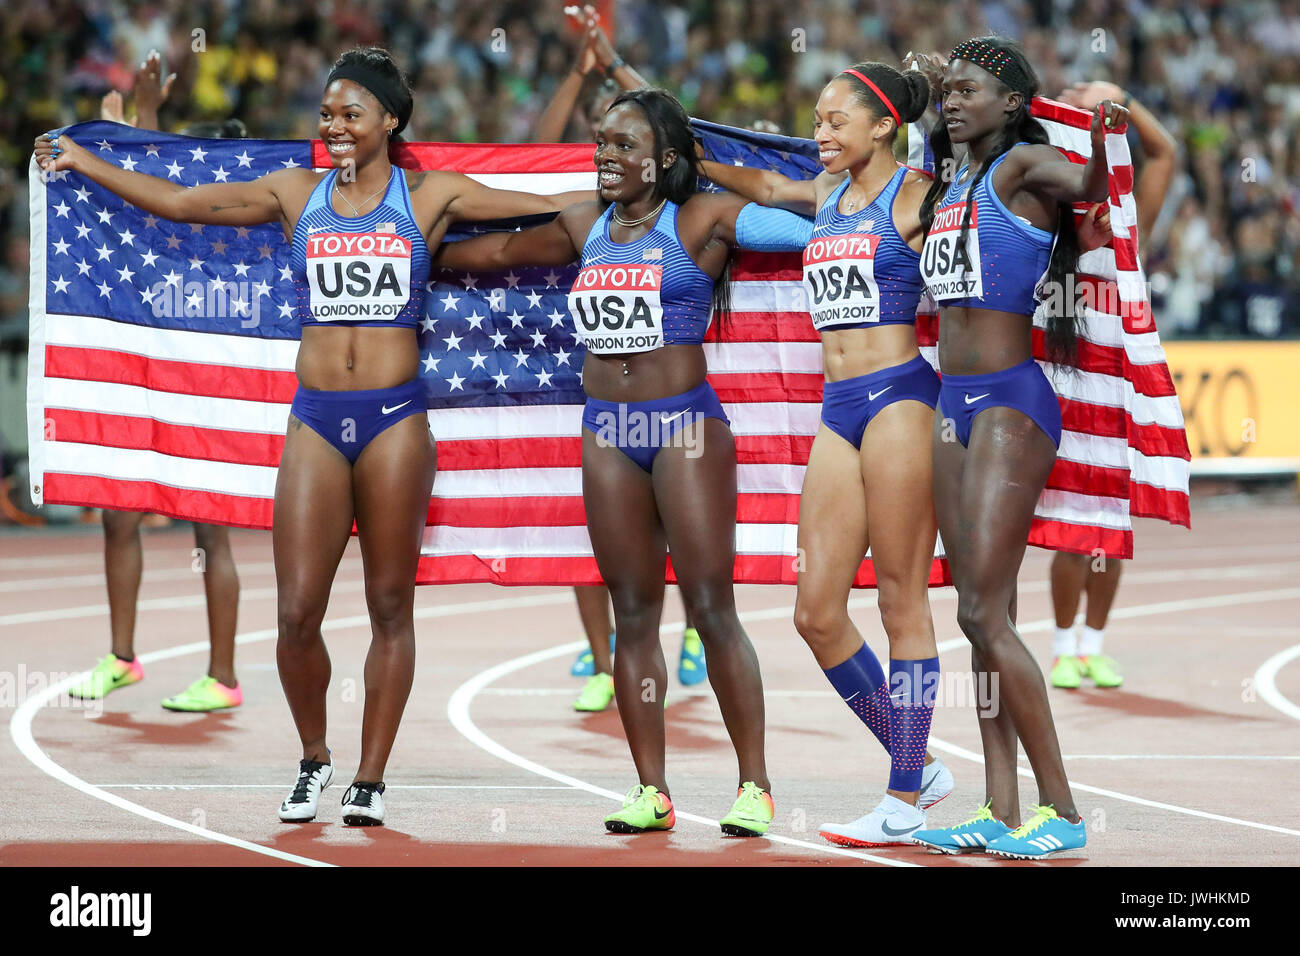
point(765, 187)
point(550, 244)
point(215, 204)
point(471, 200)
point(734, 220)
point(1050, 174)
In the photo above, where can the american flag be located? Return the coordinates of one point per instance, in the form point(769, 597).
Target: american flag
point(181, 409)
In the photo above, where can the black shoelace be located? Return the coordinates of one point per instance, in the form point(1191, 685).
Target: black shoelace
point(359, 794)
point(306, 772)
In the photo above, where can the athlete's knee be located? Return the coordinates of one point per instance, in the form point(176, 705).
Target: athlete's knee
point(901, 613)
point(213, 539)
point(121, 526)
point(1067, 559)
point(717, 625)
point(983, 619)
point(636, 616)
point(390, 607)
point(818, 623)
point(299, 619)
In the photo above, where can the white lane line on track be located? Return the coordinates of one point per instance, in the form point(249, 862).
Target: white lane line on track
point(20, 728)
point(149, 576)
point(1177, 757)
point(157, 604)
point(1266, 685)
point(1141, 610)
point(1239, 572)
point(20, 725)
point(280, 786)
point(1128, 798)
point(458, 706)
point(458, 713)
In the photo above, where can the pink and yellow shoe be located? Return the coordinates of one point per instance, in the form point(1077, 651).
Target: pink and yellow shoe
point(206, 693)
point(109, 674)
point(751, 814)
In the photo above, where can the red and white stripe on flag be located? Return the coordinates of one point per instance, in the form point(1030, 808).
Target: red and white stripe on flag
point(1124, 450)
point(191, 424)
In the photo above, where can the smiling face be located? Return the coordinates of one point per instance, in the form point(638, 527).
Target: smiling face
point(972, 104)
point(846, 131)
point(625, 151)
point(353, 125)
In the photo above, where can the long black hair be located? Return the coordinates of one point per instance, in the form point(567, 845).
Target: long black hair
point(680, 181)
point(1063, 322)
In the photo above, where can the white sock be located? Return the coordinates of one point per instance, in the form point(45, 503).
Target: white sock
point(1090, 641)
point(1063, 642)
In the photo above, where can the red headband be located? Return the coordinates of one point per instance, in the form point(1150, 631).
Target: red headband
point(875, 89)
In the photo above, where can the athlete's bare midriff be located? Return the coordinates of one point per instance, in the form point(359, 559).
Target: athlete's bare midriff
point(351, 358)
point(850, 353)
point(982, 341)
point(665, 372)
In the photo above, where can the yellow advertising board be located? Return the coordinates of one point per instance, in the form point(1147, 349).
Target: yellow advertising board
point(1241, 401)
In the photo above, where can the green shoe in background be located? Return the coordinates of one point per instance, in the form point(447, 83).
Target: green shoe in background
point(1101, 669)
point(644, 808)
point(206, 693)
point(596, 694)
point(1066, 672)
point(752, 812)
point(109, 674)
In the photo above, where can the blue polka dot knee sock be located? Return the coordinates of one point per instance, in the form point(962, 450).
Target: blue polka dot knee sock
point(860, 682)
point(913, 686)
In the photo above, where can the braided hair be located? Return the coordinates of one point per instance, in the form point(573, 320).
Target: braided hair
point(1006, 62)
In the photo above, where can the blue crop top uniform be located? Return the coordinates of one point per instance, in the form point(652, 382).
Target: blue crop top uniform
point(639, 296)
point(364, 271)
point(1003, 260)
point(859, 273)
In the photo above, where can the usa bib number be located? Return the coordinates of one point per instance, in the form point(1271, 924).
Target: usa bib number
point(950, 269)
point(839, 280)
point(358, 276)
point(617, 309)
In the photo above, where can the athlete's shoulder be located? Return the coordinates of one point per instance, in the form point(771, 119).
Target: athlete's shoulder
point(293, 187)
point(582, 214)
point(825, 183)
point(1025, 155)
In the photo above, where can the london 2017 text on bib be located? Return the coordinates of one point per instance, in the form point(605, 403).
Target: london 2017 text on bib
point(952, 270)
point(358, 276)
point(839, 279)
point(617, 308)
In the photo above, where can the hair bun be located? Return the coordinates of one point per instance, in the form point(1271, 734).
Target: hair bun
point(917, 100)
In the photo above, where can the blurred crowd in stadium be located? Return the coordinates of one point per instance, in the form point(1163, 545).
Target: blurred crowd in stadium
point(1222, 75)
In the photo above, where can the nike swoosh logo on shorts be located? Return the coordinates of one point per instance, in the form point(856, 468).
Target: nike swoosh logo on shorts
point(855, 694)
point(665, 419)
point(971, 401)
point(890, 831)
point(387, 411)
point(872, 396)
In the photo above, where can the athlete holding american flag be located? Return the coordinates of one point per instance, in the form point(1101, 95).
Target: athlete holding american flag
point(994, 228)
point(358, 444)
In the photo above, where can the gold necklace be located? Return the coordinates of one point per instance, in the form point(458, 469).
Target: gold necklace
point(636, 222)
